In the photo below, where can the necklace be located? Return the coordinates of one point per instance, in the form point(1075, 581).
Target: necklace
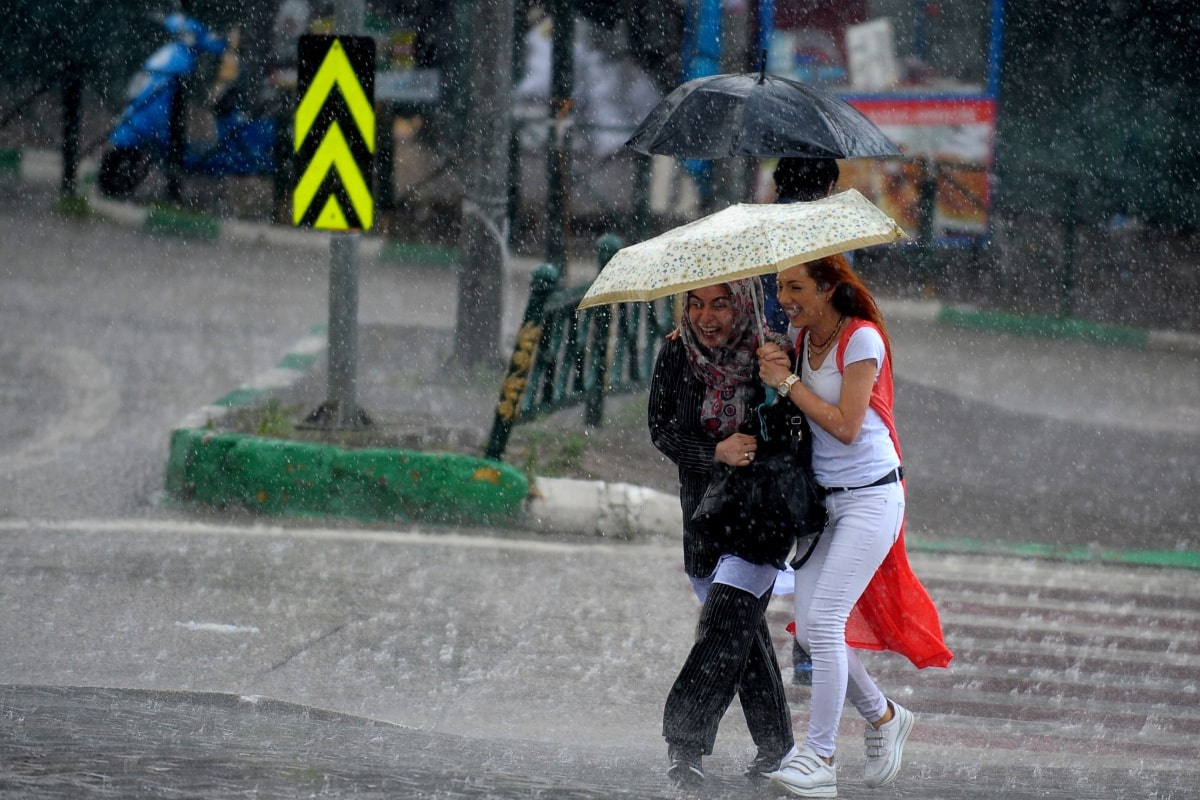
point(813, 346)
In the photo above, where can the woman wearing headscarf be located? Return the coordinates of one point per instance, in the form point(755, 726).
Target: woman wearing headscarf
point(704, 383)
point(855, 589)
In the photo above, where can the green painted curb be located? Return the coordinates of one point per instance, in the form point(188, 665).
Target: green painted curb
point(276, 476)
point(162, 221)
point(1173, 559)
point(1047, 327)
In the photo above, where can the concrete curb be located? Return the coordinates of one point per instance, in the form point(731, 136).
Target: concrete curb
point(964, 316)
point(387, 485)
point(597, 508)
point(276, 476)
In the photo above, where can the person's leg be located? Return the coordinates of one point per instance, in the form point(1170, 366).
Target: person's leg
point(861, 689)
point(764, 701)
point(858, 538)
point(710, 676)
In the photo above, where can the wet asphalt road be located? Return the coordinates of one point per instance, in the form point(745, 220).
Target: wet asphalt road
point(1010, 438)
point(496, 666)
point(474, 664)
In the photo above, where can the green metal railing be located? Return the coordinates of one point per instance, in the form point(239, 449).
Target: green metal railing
point(564, 357)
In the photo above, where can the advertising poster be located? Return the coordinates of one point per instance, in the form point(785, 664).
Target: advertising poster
point(948, 145)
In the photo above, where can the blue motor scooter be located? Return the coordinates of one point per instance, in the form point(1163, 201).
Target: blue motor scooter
point(141, 138)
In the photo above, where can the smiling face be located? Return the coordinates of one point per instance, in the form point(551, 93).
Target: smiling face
point(800, 298)
point(710, 312)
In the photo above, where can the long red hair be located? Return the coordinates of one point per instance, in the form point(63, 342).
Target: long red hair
point(850, 295)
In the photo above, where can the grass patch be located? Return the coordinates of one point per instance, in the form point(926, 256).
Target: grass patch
point(552, 453)
point(166, 220)
point(75, 206)
point(273, 420)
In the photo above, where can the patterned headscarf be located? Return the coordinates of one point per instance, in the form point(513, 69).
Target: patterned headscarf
point(728, 369)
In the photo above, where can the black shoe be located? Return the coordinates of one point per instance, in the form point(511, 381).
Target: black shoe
point(685, 770)
point(763, 765)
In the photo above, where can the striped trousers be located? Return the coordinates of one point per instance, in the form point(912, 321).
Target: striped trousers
point(732, 655)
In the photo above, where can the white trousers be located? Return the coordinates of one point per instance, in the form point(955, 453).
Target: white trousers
point(863, 525)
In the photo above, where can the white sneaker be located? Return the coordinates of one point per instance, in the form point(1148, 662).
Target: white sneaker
point(805, 774)
point(885, 746)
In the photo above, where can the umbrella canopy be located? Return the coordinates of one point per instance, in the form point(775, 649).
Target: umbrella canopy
point(756, 114)
point(740, 241)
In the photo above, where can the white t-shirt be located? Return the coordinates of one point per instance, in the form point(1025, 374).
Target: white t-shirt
point(871, 455)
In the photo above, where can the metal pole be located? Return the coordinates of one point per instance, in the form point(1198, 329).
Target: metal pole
point(343, 330)
point(558, 154)
point(176, 137)
point(349, 17)
point(1066, 304)
point(72, 99)
point(341, 410)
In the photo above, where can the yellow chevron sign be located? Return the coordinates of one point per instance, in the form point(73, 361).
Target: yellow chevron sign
point(334, 141)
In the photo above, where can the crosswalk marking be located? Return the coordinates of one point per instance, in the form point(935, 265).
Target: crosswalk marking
point(1063, 662)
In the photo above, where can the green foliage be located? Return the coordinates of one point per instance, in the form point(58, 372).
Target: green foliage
point(277, 420)
point(1098, 110)
point(108, 39)
point(272, 420)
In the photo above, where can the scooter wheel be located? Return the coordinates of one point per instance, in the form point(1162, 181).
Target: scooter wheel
point(122, 169)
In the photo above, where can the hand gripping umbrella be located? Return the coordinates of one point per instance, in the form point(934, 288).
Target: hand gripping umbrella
point(756, 114)
point(740, 241)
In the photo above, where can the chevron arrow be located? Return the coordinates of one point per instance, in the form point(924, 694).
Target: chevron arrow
point(333, 154)
point(335, 70)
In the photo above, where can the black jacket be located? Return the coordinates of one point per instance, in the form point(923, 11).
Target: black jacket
point(673, 416)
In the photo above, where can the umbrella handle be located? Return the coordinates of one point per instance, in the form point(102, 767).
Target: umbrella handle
point(762, 65)
point(759, 314)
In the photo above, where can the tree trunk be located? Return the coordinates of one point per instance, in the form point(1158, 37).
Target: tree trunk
point(483, 237)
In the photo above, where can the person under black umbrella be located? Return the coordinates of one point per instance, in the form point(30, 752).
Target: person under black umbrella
point(797, 180)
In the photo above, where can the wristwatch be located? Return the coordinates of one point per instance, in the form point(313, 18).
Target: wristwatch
point(788, 383)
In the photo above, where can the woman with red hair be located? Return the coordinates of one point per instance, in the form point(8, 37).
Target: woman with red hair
point(855, 589)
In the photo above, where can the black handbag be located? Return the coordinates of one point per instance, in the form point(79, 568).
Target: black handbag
point(761, 511)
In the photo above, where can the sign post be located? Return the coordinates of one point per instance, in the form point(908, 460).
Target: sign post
point(334, 148)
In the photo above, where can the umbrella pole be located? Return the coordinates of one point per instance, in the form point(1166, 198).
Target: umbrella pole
point(760, 311)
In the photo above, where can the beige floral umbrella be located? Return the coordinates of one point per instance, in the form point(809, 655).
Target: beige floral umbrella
point(740, 241)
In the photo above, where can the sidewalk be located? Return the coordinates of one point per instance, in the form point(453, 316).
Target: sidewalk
point(424, 432)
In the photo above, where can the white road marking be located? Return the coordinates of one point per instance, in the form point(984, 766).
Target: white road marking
point(416, 536)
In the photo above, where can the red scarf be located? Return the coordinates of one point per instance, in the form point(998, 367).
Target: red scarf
point(894, 612)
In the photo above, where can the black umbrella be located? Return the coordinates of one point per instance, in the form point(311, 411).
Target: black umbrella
point(756, 114)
